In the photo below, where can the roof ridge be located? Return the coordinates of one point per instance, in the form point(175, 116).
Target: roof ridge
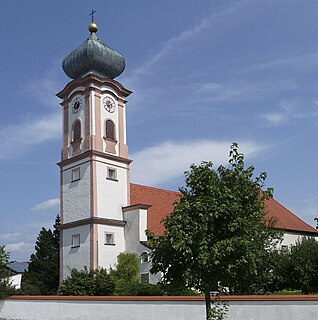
point(148, 187)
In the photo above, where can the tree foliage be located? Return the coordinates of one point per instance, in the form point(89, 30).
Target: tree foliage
point(124, 280)
point(217, 232)
point(5, 287)
point(43, 274)
point(301, 266)
point(86, 282)
point(127, 274)
point(4, 260)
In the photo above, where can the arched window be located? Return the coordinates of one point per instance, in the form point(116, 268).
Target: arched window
point(144, 257)
point(110, 130)
point(77, 131)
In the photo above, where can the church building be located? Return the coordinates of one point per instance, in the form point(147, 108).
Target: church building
point(102, 213)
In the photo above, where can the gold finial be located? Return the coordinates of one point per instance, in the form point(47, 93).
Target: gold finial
point(92, 27)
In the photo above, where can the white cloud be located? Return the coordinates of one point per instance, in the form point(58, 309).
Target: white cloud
point(301, 62)
point(212, 91)
point(46, 205)
point(28, 131)
point(184, 37)
point(20, 246)
point(9, 236)
point(170, 45)
point(16, 137)
point(275, 118)
point(44, 89)
point(168, 160)
point(291, 110)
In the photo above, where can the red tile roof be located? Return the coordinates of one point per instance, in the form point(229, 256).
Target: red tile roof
point(161, 202)
point(285, 219)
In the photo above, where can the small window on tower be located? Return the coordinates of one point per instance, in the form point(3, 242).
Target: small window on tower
point(112, 174)
point(109, 238)
point(75, 240)
point(110, 130)
point(76, 175)
point(77, 130)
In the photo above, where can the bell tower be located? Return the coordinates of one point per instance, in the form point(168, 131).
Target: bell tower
point(94, 167)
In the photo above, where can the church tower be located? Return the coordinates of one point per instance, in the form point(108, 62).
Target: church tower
point(94, 167)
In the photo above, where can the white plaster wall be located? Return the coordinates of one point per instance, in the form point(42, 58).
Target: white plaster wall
point(290, 238)
point(76, 257)
point(111, 195)
point(92, 112)
point(153, 310)
point(76, 195)
point(134, 233)
point(107, 254)
point(142, 224)
point(15, 281)
point(132, 230)
point(136, 224)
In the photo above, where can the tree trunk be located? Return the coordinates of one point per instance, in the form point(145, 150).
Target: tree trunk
point(207, 295)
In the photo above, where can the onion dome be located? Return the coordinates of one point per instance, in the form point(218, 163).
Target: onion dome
point(93, 57)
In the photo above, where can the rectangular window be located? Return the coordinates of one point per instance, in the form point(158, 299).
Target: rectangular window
point(109, 238)
point(111, 174)
point(144, 278)
point(284, 248)
point(75, 240)
point(76, 174)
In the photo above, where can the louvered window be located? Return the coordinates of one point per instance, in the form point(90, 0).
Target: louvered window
point(77, 130)
point(110, 130)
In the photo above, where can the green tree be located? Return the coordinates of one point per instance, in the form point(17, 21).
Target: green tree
point(217, 233)
point(303, 266)
point(5, 288)
point(43, 274)
point(278, 272)
point(124, 280)
point(126, 274)
point(97, 282)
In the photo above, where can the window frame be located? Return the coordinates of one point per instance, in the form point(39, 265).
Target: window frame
point(112, 234)
point(142, 278)
point(79, 138)
point(144, 255)
point(73, 179)
point(111, 137)
point(284, 248)
point(109, 169)
point(74, 243)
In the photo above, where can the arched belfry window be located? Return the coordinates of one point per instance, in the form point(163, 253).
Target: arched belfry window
point(110, 130)
point(77, 130)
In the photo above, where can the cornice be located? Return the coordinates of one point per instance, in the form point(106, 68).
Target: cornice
point(118, 87)
point(90, 154)
point(92, 220)
point(136, 206)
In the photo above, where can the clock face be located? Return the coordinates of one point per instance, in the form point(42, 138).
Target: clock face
point(76, 105)
point(109, 104)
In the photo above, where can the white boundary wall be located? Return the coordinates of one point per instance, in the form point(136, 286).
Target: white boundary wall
point(156, 308)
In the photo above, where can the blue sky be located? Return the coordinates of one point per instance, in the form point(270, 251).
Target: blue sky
point(203, 73)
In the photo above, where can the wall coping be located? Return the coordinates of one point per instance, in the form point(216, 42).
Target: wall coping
point(169, 298)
